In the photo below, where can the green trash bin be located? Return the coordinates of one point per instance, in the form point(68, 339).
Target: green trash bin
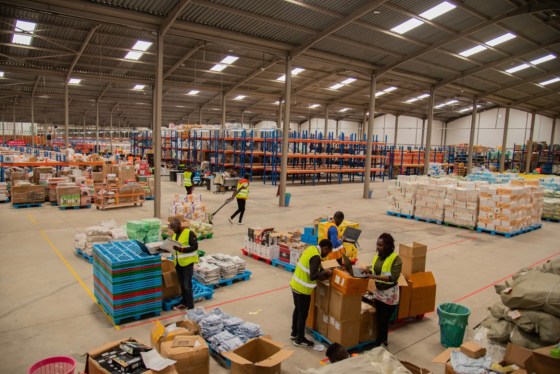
point(453, 321)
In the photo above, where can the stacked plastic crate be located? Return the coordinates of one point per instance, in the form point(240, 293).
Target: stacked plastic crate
point(401, 195)
point(127, 281)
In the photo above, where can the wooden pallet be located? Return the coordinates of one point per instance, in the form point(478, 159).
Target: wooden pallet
point(120, 205)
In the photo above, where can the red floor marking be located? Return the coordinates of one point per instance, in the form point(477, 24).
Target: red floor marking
point(207, 307)
point(457, 242)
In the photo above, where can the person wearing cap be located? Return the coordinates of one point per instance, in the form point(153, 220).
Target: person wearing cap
point(185, 257)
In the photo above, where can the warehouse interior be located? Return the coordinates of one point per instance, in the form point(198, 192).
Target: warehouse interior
point(395, 112)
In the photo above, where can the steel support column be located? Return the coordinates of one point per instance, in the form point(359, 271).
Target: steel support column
point(471, 138)
point(285, 132)
point(504, 141)
point(429, 131)
point(156, 135)
point(529, 149)
point(369, 141)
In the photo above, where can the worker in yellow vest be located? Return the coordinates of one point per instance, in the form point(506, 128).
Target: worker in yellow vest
point(185, 257)
point(332, 234)
point(188, 180)
point(241, 193)
point(385, 270)
point(304, 280)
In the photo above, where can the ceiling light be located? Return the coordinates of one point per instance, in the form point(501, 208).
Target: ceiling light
point(1, 74)
point(314, 106)
point(133, 55)
point(74, 81)
point(193, 92)
point(500, 39)
point(348, 81)
point(180, 106)
point(218, 67)
point(295, 72)
point(141, 45)
point(517, 68)
point(336, 86)
point(342, 84)
point(22, 30)
point(25, 26)
point(239, 97)
point(550, 81)
point(469, 108)
point(423, 96)
point(380, 93)
point(138, 87)
point(229, 60)
point(343, 110)
point(450, 102)
point(407, 26)
point(543, 59)
point(390, 89)
point(473, 50)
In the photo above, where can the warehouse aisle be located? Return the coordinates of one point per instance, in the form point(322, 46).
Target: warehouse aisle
point(47, 293)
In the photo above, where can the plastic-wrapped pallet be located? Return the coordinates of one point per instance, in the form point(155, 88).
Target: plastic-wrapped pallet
point(401, 195)
point(505, 208)
point(189, 207)
point(461, 205)
point(551, 208)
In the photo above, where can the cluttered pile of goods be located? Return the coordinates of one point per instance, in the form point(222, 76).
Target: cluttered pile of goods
point(213, 268)
point(116, 186)
point(551, 209)
point(147, 230)
point(103, 232)
point(510, 208)
point(4, 194)
point(521, 333)
point(223, 332)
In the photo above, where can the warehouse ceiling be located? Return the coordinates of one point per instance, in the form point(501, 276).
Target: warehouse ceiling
point(505, 52)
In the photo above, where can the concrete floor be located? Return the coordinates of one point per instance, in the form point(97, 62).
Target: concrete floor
point(48, 308)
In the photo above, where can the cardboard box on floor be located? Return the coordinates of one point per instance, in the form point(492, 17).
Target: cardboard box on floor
point(258, 356)
point(542, 362)
point(159, 335)
point(170, 283)
point(423, 293)
point(413, 258)
point(190, 352)
point(515, 355)
point(92, 367)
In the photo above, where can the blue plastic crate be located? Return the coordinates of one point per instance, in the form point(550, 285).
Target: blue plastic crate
point(155, 296)
point(308, 231)
point(118, 255)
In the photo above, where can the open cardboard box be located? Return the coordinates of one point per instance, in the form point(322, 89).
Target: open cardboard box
point(93, 367)
point(258, 356)
point(158, 333)
point(515, 355)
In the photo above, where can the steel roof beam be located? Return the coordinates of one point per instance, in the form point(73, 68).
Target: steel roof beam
point(534, 97)
point(81, 51)
point(184, 58)
point(172, 16)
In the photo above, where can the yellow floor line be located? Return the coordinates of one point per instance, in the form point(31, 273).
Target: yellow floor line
point(30, 217)
point(73, 272)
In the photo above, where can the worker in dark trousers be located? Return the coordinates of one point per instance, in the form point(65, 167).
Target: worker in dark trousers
point(185, 257)
point(188, 180)
point(241, 193)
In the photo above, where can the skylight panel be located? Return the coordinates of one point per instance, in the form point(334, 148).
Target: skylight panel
point(342, 84)
point(295, 72)
point(239, 97)
point(74, 81)
point(390, 89)
point(228, 60)
point(1, 74)
point(25, 26)
point(438, 10)
point(133, 55)
point(407, 26)
point(500, 39)
point(344, 110)
point(336, 86)
point(218, 67)
point(193, 92)
point(450, 102)
point(314, 106)
point(540, 60)
point(141, 45)
point(473, 50)
point(517, 68)
point(348, 81)
point(550, 81)
point(138, 87)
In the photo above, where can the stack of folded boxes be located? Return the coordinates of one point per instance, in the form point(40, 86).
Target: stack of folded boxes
point(461, 205)
point(401, 195)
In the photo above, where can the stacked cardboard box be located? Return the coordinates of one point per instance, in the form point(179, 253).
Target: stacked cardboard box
point(189, 207)
point(401, 195)
point(68, 194)
point(418, 293)
point(430, 199)
point(4, 196)
point(461, 205)
point(508, 208)
point(27, 194)
point(551, 207)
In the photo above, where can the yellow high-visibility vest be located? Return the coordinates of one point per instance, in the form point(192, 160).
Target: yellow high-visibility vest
point(301, 280)
point(386, 267)
point(185, 259)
